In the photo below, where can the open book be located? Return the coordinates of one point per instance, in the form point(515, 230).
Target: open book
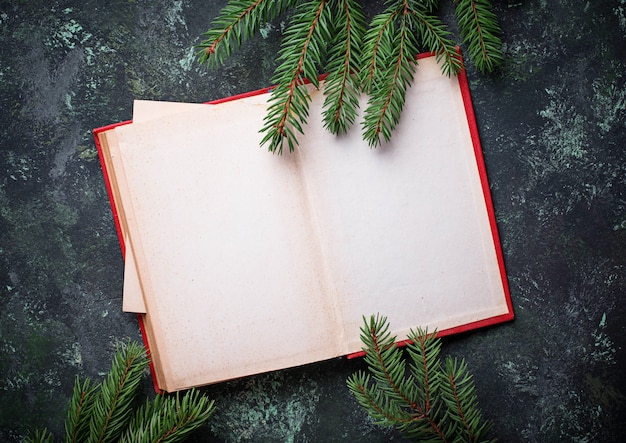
point(241, 262)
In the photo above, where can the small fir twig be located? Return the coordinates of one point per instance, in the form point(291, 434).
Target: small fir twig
point(392, 43)
point(113, 407)
point(396, 51)
point(480, 30)
point(169, 418)
point(40, 436)
point(237, 22)
point(329, 36)
point(301, 54)
point(79, 411)
point(429, 401)
point(106, 412)
point(342, 83)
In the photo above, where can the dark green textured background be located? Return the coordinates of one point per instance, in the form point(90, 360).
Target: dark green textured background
point(553, 127)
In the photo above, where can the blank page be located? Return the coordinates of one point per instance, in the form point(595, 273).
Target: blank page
point(225, 250)
point(404, 227)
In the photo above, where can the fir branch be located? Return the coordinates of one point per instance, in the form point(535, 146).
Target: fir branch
point(375, 402)
point(462, 404)
point(479, 27)
point(106, 414)
point(386, 363)
point(78, 414)
point(424, 352)
point(386, 50)
point(436, 38)
point(40, 436)
point(169, 418)
point(427, 404)
point(112, 410)
point(386, 401)
point(396, 50)
point(237, 21)
point(384, 360)
point(377, 41)
point(390, 68)
point(301, 54)
point(342, 83)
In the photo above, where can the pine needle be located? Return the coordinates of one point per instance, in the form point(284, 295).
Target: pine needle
point(237, 22)
point(113, 407)
point(329, 36)
point(169, 418)
point(480, 29)
point(342, 83)
point(79, 411)
point(106, 412)
point(427, 403)
point(302, 51)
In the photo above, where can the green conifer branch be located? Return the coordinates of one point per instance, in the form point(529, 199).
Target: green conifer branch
point(301, 54)
point(78, 415)
point(386, 51)
point(430, 402)
point(459, 394)
point(342, 83)
point(386, 364)
point(388, 403)
point(426, 369)
point(479, 27)
point(375, 59)
point(424, 352)
point(106, 411)
point(397, 50)
point(169, 418)
point(40, 436)
point(113, 408)
point(436, 38)
point(237, 21)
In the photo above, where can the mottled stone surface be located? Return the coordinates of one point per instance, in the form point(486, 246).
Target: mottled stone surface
point(553, 127)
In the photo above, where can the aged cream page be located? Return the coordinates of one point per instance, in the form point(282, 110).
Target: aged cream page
point(146, 110)
point(226, 254)
point(132, 297)
point(143, 110)
point(404, 227)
